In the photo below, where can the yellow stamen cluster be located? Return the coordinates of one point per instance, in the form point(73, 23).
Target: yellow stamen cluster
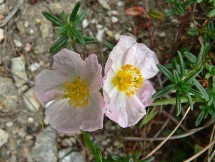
point(128, 79)
point(77, 92)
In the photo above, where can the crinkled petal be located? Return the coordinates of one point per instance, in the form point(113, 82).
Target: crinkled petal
point(117, 54)
point(48, 86)
point(92, 73)
point(66, 119)
point(68, 63)
point(126, 111)
point(145, 93)
point(142, 57)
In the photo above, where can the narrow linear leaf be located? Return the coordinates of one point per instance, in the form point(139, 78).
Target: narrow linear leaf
point(109, 45)
point(176, 66)
point(92, 147)
point(163, 91)
point(89, 40)
point(79, 18)
point(192, 74)
point(166, 72)
point(75, 11)
point(201, 89)
point(60, 31)
point(54, 19)
point(195, 93)
point(199, 118)
point(182, 65)
point(189, 98)
point(59, 44)
point(176, 76)
point(190, 57)
point(200, 56)
point(178, 103)
point(78, 36)
point(211, 13)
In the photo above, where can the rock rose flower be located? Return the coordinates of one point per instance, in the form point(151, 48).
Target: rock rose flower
point(126, 89)
point(73, 87)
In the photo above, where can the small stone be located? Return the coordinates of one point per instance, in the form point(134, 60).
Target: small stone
point(18, 71)
point(68, 142)
point(3, 137)
point(22, 133)
point(17, 43)
point(114, 19)
point(119, 3)
point(31, 31)
point(99, 26)
point(93, 21)
point(109, 33)
point(116, 143)
point(44, 28)
point(28, 47)
point(29, 137)
point(30, 120)
point(1, 1)
point(1, 34)
point(26, 24)
point(31, 101)
point(45, 148)
point(85, 23)
point(100, 34)
point(117, 36)
point(9, 124)
point(162, 34)
point(113, 12)
point(22, 89)
point(104, 4)
point(72, 157)
point(35, 66)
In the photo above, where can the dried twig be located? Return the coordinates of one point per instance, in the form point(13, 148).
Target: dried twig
point(189, 133)
point(12, 13)
point(200, 152)
point(156, 148)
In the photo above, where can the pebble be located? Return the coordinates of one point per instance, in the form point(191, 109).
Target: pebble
point(104, 4)
point(28, 47)
point(68, 142)
point(99, 26)
point(109, 33)
point(34, 66)
point(1, 34)
point(30, 120)
point(18, 71)
point(26, 24)
point(22, 133)
point(85, 23)
point(162, 34)
point(114, 19)
point(8, 94)
point(66, 156)
point(3, 137)
point(9, 124)
point(113, 12)
point(1, 1)
point(117, 36)
point(100, 34)
point(119, 3)
point(45, 148)
point(17, 43)
point(31, 101)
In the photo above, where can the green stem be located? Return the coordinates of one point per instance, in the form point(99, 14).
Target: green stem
point(173, 101)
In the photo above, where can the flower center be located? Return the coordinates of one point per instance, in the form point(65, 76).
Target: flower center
point(77, 92)
point(128, 79)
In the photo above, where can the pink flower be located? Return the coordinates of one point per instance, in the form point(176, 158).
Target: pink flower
point(126, 89)
point(73, 86)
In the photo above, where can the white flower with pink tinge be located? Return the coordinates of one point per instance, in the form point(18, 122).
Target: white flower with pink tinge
point(73, 85)
point(126, 89)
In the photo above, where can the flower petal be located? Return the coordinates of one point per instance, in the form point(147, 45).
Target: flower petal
point(48, 86)
point(142, 57)
point(126, 111)
point(117, 54)
point(92, 73)
point(68, 63)
point(145, 93)
point(66, 119)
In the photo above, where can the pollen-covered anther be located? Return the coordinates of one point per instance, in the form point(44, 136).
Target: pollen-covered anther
point(77, 92)
point(128, 79)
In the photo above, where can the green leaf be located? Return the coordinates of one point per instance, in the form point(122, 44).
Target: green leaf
point(189, 98)
point(78, 36)
point(75, 11)
point(211, 13)
point(94, 149)
point(195, 93)
point(59, 44)
point(178, 103)
point(79, 18)
point(150, 114)
point(192, 31)
point(89, 40)
point(200, 56)
point(190, 57)
point(192, 74)
point(163, 91)
point(176, 76)
point(182, 65)
point(166, 72)
point(54, 19)
point(109, 45)
point(60, 31)
point(199, 118)
point(201, 89)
